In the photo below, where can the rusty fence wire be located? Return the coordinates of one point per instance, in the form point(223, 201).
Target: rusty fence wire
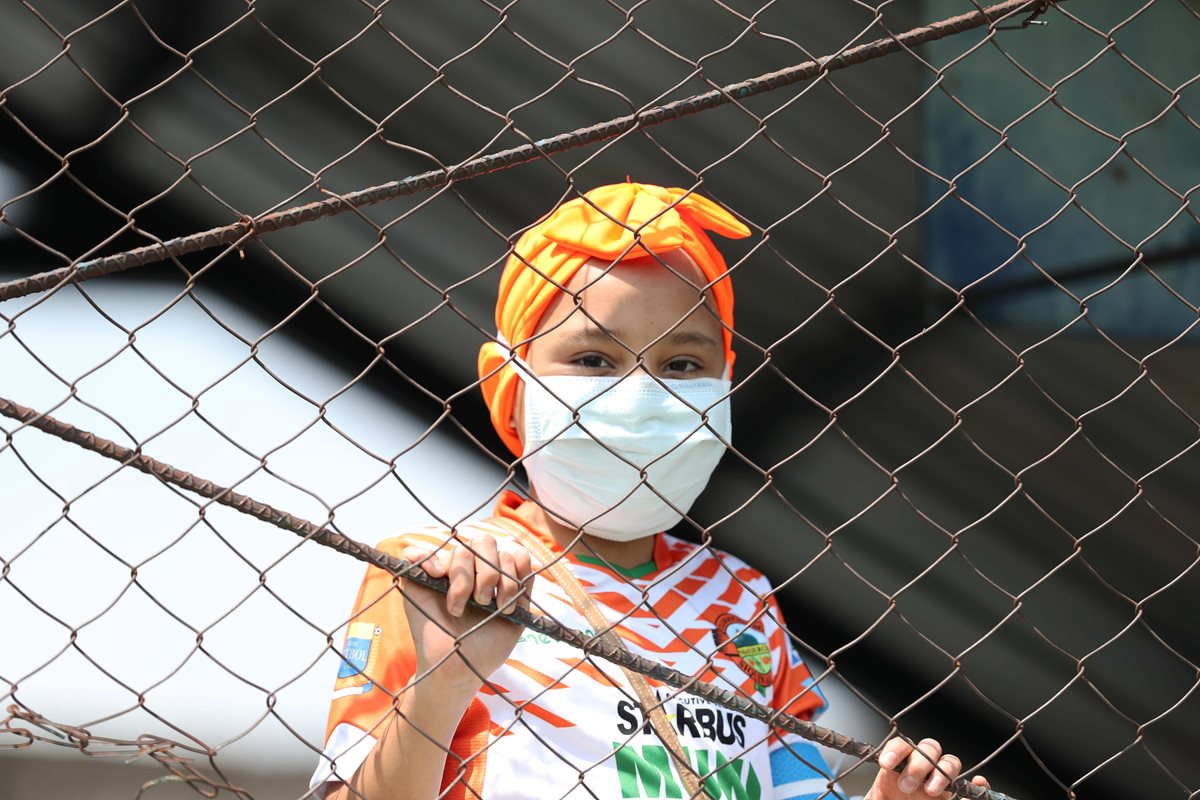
point(248, 253)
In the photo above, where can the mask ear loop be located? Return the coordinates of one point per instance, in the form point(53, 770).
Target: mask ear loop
point(526, 375)
point(513, 358)
point(519, 365)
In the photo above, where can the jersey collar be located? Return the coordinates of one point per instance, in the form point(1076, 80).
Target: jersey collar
point(667, 552)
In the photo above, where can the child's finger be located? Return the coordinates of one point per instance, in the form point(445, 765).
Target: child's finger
point(523, 565)
point(487, 576)
point(462, 580)
point(920, 764)
point(509, 586)
point(894, 752)
point(426, 559)
point(948, 767)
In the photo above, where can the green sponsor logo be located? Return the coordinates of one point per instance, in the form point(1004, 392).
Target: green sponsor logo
point(648, 772)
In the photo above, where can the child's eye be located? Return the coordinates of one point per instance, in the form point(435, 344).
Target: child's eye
point(592, 361)
point(681, 365)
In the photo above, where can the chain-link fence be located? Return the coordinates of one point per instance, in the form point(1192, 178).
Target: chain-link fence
point(250, 251)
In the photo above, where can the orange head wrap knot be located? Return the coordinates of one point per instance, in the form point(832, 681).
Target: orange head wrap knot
point(613, 223)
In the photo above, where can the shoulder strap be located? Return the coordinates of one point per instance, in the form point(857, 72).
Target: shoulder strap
point(652, 708)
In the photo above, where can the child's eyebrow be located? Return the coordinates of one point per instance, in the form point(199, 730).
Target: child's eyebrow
point(678, 338)
point(593, 333)
point(682, 337)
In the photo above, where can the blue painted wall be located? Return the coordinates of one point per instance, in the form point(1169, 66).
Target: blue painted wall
point(1112, 125)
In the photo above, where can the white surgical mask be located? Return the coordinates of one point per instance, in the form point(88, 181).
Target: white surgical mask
point(656, 427)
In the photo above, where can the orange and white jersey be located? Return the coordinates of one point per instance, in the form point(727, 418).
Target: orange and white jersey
point(551, 723)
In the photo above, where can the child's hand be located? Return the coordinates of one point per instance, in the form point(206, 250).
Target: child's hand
point(440, 625)
point(920, 777)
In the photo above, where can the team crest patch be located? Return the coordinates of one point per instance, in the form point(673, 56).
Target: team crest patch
point(746, 644)
point(358, 659)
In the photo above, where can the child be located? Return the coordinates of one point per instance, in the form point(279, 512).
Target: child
point(618, 311)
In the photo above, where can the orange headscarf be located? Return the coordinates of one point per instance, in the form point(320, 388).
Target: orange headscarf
point(622, 221)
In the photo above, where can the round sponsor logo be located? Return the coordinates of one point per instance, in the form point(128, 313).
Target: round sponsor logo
point(746, 644)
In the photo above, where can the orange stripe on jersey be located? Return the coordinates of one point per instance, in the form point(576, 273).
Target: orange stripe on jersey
point(669, 604)
point(465, 767)
point(641, 641)
point(653, 613)
point(677, 644)
point(747, 574)
point(695, 582)
point(733, 593)
point(556, 596)
point(674, 599)
point(540, 677)
point(790, 692)
point(617, 602)
point(779, 640)
point(716, 610)
point(666, 553)
point(626, 607)
point(711, 674)
point(543, 714)
point(585, 667)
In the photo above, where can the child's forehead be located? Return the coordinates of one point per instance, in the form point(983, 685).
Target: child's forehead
point(669, 270)
point(632, 295)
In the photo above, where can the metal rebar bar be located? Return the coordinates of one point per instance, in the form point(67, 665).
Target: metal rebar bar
point(591, 644)
point(249, 228)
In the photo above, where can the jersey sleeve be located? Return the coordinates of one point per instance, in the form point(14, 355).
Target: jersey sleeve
point(377, 663)
point(798, 769)
point(794, 691)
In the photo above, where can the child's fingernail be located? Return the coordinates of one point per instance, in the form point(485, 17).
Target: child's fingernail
point(888, 760)
point(907, 784)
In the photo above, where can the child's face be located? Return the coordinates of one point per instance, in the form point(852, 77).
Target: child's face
point(635, 309)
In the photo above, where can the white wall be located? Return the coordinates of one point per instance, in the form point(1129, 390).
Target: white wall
point(197, 580)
